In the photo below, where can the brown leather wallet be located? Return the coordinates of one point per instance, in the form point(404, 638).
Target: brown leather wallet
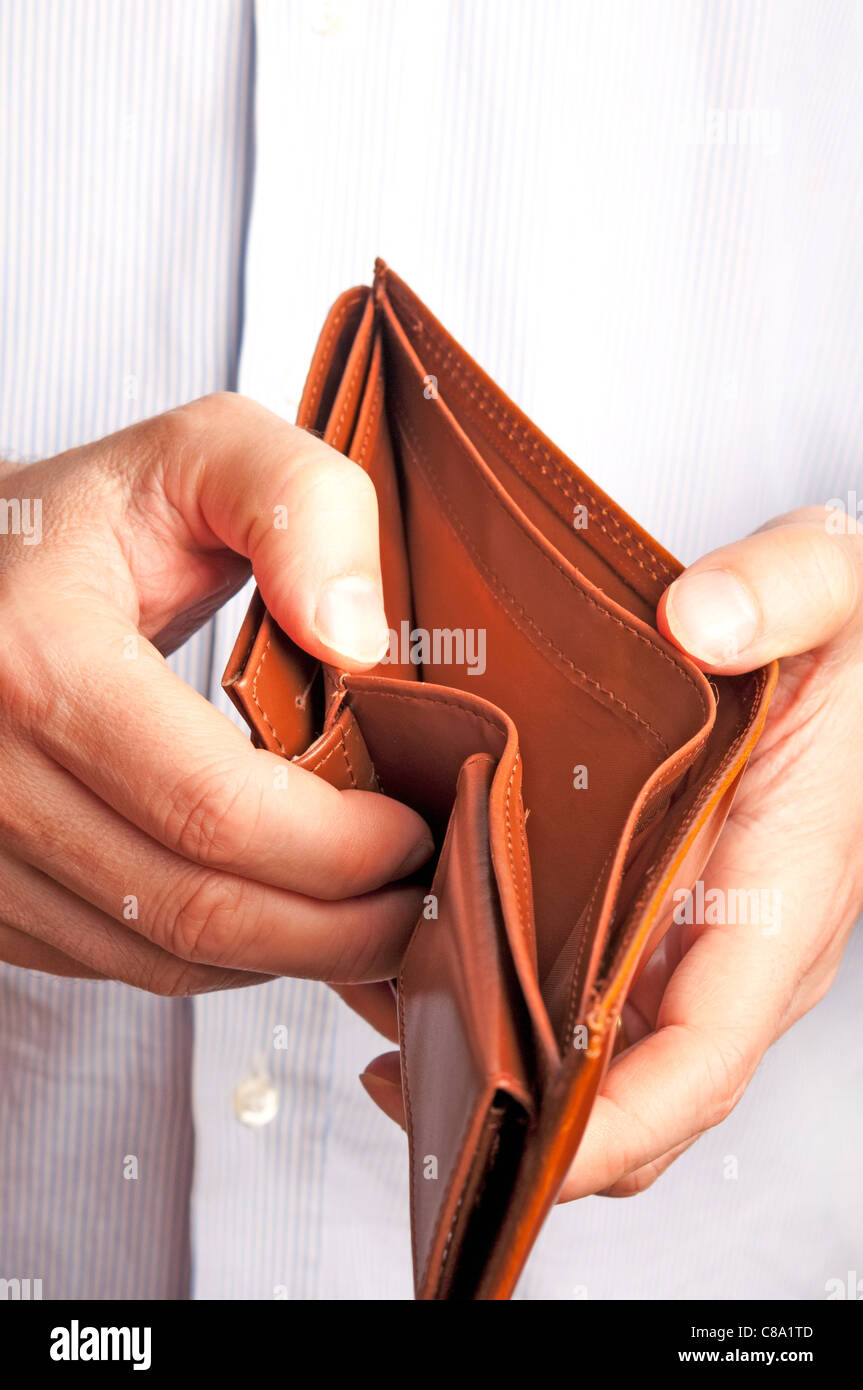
point(525, 669)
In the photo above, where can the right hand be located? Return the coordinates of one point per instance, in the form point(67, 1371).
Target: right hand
point(142, 838)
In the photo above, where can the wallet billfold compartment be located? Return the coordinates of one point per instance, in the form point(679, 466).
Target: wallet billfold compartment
point(574, 778)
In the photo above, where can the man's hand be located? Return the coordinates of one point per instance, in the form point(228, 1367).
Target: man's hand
point(715, 994)
point(142, 838)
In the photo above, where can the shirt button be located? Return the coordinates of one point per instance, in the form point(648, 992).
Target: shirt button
point(256, 1100)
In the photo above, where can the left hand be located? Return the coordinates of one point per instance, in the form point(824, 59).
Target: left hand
point(715, 995)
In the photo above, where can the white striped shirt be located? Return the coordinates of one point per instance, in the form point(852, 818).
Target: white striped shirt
point(645, 220)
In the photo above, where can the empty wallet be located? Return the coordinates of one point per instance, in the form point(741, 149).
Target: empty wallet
point(574, 766)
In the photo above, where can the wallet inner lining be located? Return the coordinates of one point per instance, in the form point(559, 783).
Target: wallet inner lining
point(620, 705)
point(612, 551)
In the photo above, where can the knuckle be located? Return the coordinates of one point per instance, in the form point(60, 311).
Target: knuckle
point(205, 926)
point(731, 1077)
point(720, 1109)
point(179, 432)
point(635, 1183)
point(168, 434)
point(321, 476)
point(173, 979)
point(359, 948)
point(211, 818)
point(30, 693)
point(214, 408)
point(834, 572)
point(819, 989)
point(344, 953)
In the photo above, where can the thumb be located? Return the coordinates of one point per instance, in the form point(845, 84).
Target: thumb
point(788, 588)
point(303, 514)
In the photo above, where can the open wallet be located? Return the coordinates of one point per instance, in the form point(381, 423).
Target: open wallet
point(574, 779)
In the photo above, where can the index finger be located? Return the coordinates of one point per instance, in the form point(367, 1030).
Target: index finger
point(722, 1008)
point(170, 763)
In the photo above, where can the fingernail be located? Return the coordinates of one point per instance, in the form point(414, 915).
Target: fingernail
point(350, 618)
point(712, 615)
point(379, 1084)
point(421, 851)
point(384, 1093)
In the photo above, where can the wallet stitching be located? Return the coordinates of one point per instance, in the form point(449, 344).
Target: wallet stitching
point(461, 370)
point(348, 394)
point(316, 386)
point(458, 1206)
point(520, 883)
point(340, 747)
point(410, 1123)
point(464, 374)
point(322, 762)
point(508, 602)
point(258, 704)
point(440, 700)
point(374, 417)
point(576, 970)
point(350, 769)
point(563, 482)
point(448, 1193)
point(488, 1126)
point(652, 647)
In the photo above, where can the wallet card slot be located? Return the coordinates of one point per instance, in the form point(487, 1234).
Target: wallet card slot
point(614, 552)
point(646, 869)
point(467, 1048)
point(419, 737)
point(631, 667)
point(484, 1202)
point(343, 411)
point(371, 448)
point(327, 368)
point(276, 686)
point(642, 880)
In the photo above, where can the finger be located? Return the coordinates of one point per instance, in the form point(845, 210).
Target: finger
point(169, 762)
point(375, 1003)
point(724, 1005)
point(304, 515)
point(645, 1177)
point(192, 913)
point(28, 953)
point(662, 1094)
point(784, 590)
point(61, 925)
point(381, 1080)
